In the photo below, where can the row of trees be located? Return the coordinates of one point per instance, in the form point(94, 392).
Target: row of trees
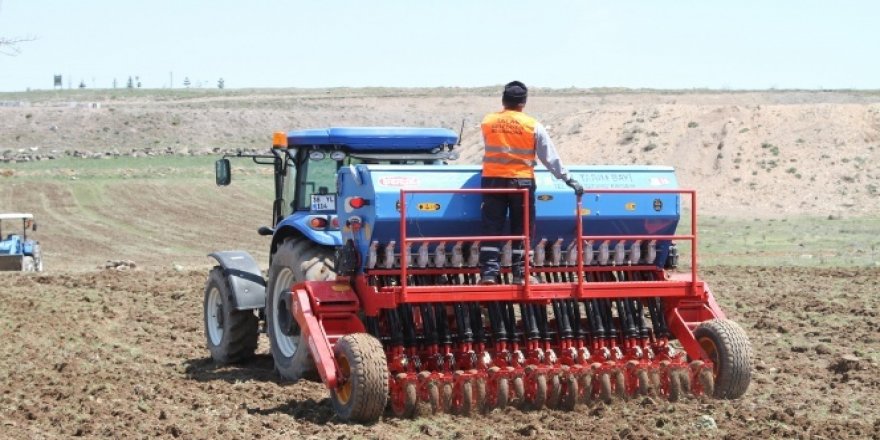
point(135, 82)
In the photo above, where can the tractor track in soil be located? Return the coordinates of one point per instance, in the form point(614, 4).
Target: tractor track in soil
point(122, 355)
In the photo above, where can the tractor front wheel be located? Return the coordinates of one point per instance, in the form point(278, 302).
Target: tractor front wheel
point(28, 265)
point(727, 345)
point(362, 375)
point(296, 260)
point(231, 334)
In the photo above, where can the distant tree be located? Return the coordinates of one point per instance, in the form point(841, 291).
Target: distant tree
point(9, 45)
point(221, 83)
point(82, 84)
point(130, 83)
point(186, 82)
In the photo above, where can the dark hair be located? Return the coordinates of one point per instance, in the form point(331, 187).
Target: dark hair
point(515, 93)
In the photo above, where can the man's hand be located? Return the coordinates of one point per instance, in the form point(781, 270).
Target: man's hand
point(578, 189)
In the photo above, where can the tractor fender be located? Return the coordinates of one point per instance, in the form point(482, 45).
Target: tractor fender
point(244, 277)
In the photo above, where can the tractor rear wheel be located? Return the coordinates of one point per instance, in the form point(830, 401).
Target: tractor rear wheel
point(362, 390)
point(729, 349)
point(231, 334)
point(28, 265)
point(296, 260)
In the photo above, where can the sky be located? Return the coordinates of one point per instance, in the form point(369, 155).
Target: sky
point(681, 44)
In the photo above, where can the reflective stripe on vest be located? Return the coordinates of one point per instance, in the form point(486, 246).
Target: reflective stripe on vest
point(509, 137)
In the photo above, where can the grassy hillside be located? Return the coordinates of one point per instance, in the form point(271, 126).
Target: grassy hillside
point(163, 211)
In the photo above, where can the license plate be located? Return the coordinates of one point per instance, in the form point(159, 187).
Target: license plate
point(323, 202)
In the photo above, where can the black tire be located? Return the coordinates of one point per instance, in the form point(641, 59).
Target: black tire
point(363, 373)
point(231, 335)
point(296, 259)
point(729, 348)
point(28, 264)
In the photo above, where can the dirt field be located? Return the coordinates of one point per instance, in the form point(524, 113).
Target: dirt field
point(785, 179)
point(121, 354)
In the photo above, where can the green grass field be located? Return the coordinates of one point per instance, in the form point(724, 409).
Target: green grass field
point(188, 181)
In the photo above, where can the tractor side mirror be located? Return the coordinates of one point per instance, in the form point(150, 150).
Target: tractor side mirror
point(34, 227)
point(222, 172)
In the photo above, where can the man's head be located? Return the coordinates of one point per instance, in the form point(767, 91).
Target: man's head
point(514, 96)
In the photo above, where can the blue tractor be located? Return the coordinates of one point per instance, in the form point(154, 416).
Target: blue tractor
point(17, 251)
point(305, 234)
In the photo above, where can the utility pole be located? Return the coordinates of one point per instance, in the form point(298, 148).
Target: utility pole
point(170, 80)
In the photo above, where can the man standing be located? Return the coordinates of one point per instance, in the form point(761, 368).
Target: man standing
point(513, 140)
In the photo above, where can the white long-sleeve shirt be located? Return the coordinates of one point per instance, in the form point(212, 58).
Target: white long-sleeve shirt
point(545, 151)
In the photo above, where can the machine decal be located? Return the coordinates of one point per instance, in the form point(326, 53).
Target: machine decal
point(658, 205)
point(545, 197)
point(429, 207)
point(399, 181)
point(631, 206)
point(658, 181)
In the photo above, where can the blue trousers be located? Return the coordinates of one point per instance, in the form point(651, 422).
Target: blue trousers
point(495, 211)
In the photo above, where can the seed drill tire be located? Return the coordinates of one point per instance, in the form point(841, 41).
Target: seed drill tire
point(241, 328)
point(368, 378)
point(297, 259)
point(731, 352)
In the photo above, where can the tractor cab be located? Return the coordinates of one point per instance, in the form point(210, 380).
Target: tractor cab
point(306, 163)
point(17, 251)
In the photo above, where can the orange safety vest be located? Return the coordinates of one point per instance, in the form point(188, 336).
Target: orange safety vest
point(509, 137)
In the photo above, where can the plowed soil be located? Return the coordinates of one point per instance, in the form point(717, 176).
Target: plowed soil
point(121, 355)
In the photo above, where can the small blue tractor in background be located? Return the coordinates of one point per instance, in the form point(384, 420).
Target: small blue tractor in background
point(17, 251)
